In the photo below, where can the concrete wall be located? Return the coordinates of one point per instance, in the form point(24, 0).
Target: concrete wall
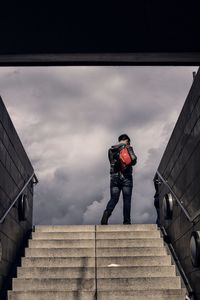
point(15, 169)
point(180, 166)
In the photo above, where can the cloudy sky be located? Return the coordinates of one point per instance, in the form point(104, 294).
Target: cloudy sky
point(68, 117)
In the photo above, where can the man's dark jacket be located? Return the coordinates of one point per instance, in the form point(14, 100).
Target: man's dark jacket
point(113, 153)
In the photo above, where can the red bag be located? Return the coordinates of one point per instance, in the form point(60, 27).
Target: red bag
point(125, 159)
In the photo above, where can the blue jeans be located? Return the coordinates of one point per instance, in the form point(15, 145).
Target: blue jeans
point(117, 184)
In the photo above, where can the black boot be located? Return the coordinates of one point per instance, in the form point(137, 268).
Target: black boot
point(106, 215)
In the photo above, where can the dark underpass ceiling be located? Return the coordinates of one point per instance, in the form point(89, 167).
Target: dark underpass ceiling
point(143, 32)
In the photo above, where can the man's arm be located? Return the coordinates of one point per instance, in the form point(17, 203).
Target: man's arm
point(132, 155)
point(110, 156)
point(112, 161)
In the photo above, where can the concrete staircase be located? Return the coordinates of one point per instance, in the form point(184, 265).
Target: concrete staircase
point(87, 262)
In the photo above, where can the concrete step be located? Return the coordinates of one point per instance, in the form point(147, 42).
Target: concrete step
point(62, 235)
point(175, 294)
point(92, 228)
point(74, 252)
point(128, 234)
point(155, 294)
point(57, 252)
point(58, 261)
point(107, 284)
point(99, 235)
point(61, 243)
point(51, 295)
point(156, 242)
point(64, 228)
point(148, 283)
point(133, 272)
point(56, 272)
point(101, 261)
point(89, 272)
point(136, 251)
point(131, 227)
point(53, 284)
point(134, 261)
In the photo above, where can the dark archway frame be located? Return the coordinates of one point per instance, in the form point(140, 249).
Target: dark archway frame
point(102, 59)
point(145, 32)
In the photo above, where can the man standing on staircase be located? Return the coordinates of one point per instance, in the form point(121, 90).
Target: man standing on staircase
point(122, 158)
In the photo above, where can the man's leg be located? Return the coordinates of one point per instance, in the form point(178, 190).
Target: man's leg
point(127, 193)
point(115, 193)
point(114, 198)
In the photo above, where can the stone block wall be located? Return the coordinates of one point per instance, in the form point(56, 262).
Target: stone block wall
point(15, 169)
point(180, 166)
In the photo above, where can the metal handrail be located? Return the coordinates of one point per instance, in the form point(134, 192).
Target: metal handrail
point(191, 219)
point(16, 198)
point(190, 290)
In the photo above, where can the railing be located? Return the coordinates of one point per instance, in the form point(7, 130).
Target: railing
point(180, 203)
point(190, 290)
point(171, 248)
point(33, 176)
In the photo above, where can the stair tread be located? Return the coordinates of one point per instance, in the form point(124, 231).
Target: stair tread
point(167, 294)
point(103, 284)
point(131, 292)
point(64, 228)
point(92, 228)
point(88, 261)
point(99, 235)
point(100, 243)
point(89, 272)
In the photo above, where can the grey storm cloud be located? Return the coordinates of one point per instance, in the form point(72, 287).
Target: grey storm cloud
point(68, 117)
point(67, 198)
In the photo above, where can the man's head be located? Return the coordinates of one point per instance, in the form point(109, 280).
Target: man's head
point(124, 138)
